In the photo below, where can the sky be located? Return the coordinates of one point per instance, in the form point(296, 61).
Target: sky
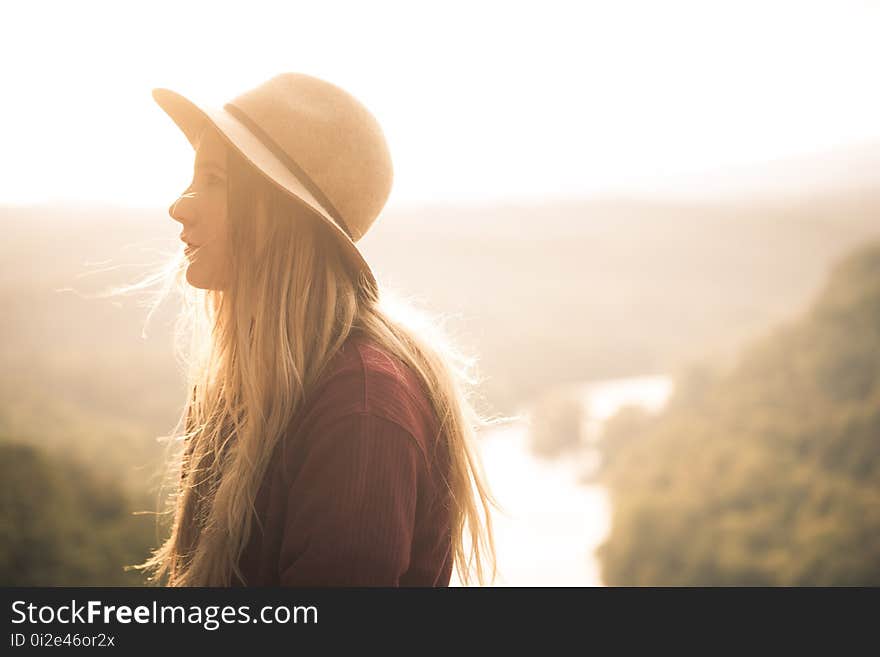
point(479, 101)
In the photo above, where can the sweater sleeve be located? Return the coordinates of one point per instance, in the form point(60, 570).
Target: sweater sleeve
point(351, 508)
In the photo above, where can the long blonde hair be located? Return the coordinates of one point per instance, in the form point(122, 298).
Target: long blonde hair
point(257, 347)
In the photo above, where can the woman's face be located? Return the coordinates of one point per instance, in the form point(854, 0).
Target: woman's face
point(202, 211)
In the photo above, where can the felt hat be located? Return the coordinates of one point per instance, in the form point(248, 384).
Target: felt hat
point(312, 139)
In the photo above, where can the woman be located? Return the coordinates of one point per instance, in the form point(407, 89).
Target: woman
point(327, 442)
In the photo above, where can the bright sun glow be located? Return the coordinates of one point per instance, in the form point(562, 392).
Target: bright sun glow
point(479, 100)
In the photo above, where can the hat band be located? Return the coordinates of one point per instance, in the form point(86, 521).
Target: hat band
point(290, 163)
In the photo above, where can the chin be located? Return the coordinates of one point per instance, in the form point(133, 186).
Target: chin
point(197, 281)
point(194, 279)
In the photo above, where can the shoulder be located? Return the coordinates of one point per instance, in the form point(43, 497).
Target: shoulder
point(364, 379)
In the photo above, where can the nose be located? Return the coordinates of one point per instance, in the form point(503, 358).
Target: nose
point(180, 210)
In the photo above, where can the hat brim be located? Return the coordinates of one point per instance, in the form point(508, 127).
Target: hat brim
point(190, 117)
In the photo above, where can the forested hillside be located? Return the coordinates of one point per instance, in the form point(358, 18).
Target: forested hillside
point(63, 523)
point(767, 474)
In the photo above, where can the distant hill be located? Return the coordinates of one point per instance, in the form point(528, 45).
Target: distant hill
point(561, 292)
point(541, 294)
point(768, 474)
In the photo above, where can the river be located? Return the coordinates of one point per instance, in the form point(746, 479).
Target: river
point(551, 525)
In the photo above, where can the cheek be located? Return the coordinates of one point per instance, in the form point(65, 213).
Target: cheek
point(221, 223)
point(209, 269)
point(220, 247)
point(216, 210)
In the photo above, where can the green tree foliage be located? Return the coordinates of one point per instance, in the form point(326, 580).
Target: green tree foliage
point(64, 524)
point(768, 474)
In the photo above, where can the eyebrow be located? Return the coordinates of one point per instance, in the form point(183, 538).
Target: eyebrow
point(210, 165)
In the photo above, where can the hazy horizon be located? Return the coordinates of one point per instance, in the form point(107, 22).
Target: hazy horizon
point(822, 172)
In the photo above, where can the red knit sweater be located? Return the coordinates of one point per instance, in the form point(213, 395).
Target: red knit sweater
point(355, 493)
